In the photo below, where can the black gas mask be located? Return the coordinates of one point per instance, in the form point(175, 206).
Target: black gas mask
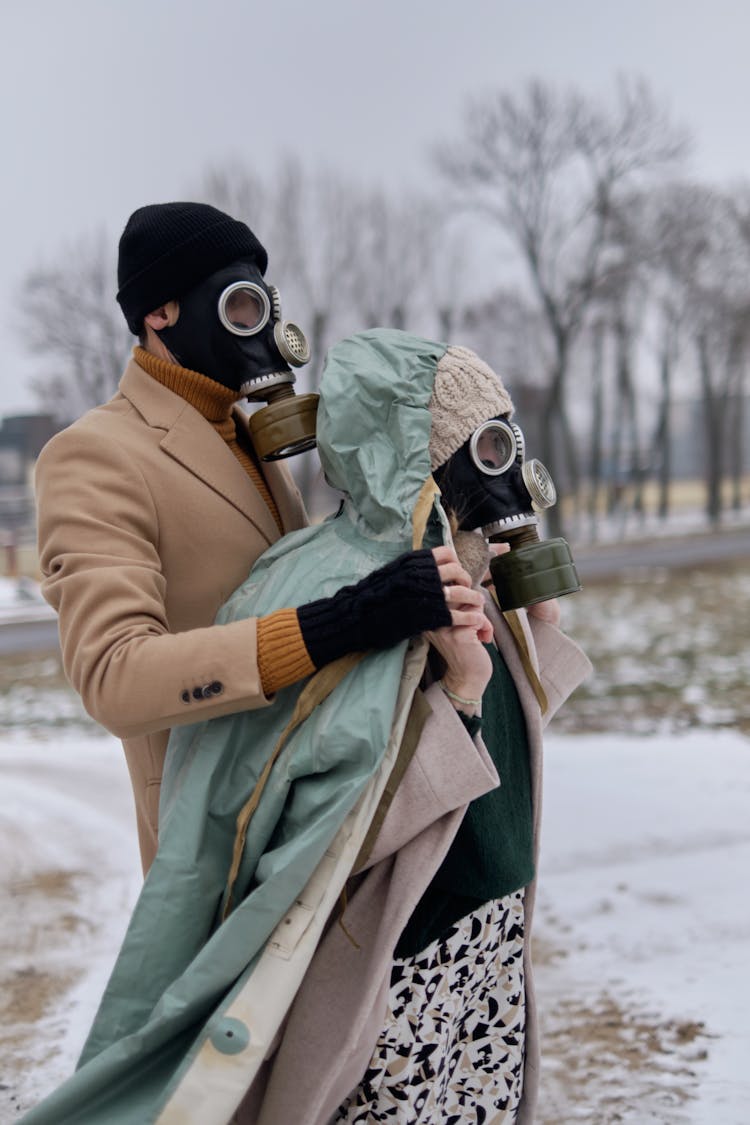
point(489, 484)
point(230, 329)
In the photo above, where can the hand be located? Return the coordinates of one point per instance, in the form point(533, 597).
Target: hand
point(468, 665)
point(466, 605)
point(548, 611)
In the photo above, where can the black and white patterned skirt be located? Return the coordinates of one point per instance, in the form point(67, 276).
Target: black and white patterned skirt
point(451, 1050)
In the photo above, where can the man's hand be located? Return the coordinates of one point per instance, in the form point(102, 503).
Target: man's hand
point(418, 591)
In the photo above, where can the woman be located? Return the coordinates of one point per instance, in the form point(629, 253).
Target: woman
point(441, 965)
point(326, 933)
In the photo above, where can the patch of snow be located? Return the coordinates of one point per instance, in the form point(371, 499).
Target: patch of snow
point(642, 927)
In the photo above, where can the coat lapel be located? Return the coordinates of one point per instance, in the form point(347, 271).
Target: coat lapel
point(193, 442)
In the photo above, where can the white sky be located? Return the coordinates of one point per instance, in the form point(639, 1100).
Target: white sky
point(110, 104)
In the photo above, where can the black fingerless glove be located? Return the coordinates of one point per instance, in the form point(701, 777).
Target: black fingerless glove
point(399, 600)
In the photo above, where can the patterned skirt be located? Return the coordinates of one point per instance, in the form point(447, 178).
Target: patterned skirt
point(451, 1050)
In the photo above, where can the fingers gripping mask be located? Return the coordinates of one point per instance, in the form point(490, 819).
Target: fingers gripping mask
point(230, 329)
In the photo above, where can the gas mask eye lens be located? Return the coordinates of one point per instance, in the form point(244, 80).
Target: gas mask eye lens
point(244, 308)
point(493, 447)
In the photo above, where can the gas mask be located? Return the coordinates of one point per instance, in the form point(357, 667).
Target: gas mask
point(230, 329)
point(489, 484)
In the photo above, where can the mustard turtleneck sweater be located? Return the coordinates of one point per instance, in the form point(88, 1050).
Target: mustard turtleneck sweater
point(283, 658)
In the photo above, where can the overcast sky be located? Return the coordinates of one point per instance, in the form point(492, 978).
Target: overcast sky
point(109, 104)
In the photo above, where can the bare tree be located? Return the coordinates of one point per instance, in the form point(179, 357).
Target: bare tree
point(393, 257)
point(550, 169)
point(619, 308)
point(598, 335)
point(70, 320)
point(714, 265)
point(317, 224)
point(672, 225)
point(233, 188)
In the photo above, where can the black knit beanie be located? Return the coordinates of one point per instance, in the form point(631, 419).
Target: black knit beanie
point(167, 248)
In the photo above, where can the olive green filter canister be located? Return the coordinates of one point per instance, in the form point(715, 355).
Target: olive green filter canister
point(534, 573)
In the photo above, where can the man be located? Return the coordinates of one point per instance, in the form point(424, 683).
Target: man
point(153, 507)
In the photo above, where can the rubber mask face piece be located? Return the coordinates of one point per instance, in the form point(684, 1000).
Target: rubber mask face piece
point(230, 329)
point(489, 484)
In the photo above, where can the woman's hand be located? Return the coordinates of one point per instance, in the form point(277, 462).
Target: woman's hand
point(468, 665)
point(466, 605)
point(546, 611)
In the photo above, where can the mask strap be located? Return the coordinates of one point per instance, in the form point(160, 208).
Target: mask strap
point(422, 510)
point(514, 624)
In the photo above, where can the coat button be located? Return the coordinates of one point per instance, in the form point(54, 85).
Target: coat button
point(185, 697)
point(216, 688)
point(197, 693)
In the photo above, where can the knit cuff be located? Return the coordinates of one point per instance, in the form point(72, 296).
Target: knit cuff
point(399, 600)
point(283, 658)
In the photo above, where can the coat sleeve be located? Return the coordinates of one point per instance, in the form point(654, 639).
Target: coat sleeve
point(102, 573)
point(448, 770)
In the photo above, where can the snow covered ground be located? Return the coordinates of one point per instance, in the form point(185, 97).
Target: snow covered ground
point(642, 937)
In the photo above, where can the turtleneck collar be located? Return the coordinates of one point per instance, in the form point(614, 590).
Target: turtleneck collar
point(209, 398)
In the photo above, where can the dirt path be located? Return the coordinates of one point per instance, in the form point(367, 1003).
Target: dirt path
point(606, 1061)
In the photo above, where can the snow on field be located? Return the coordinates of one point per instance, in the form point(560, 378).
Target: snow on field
point(642, 929)
point(644, 920)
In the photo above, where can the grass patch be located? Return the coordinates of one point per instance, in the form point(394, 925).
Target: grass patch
point(669, 653)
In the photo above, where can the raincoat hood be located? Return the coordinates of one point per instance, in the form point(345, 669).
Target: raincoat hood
point(374, 425)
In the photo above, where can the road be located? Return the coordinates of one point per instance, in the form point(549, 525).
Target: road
point(593, 563)
point(28, 635)
point(599, 563)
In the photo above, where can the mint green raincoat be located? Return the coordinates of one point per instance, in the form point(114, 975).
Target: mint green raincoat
point(263, 813)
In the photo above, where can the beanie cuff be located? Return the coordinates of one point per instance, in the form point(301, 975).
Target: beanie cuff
point(466, 393)
point(167, 249)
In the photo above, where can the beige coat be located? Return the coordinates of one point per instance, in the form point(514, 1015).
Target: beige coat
point(339, 1010)
point(147, 523)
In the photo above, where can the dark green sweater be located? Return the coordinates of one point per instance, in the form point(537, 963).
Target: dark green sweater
point(492, 853)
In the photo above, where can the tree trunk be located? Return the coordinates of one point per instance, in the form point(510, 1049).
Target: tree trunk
point(662, 443)
point(552, 415)
point(737, 432)
point(713, 428)
point(597, 425)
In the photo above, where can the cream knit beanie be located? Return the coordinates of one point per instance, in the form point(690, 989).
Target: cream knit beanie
point(466, 393)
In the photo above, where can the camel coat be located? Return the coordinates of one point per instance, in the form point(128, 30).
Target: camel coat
point(146, 524)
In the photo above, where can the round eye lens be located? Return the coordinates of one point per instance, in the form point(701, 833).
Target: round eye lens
point(493, 447)
point(244, 308)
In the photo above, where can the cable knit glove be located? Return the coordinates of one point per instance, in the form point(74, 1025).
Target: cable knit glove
point(401, 599)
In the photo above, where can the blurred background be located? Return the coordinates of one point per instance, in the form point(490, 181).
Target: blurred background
point(564, 188)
